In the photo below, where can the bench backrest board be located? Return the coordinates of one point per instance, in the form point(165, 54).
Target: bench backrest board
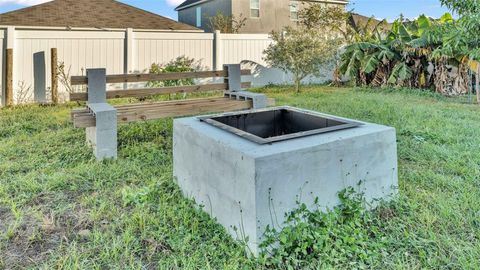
point(145, 92)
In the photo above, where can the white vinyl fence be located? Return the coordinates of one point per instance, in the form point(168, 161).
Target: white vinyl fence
point(151, 47)
point(234, 48)
point(123, 51)
point(78, 50)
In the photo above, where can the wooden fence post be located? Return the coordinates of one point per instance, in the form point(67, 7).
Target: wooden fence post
point(54, 67)
point(477, 83)
point(9, 79)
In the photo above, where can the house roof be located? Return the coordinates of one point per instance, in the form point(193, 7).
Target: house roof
point(189, 3)
point(90, 14)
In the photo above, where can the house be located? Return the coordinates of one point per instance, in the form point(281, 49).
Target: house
point(89, 14)
point(262, 16)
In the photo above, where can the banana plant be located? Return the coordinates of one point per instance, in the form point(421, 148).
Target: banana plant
point(400, 73)
point(404, 56)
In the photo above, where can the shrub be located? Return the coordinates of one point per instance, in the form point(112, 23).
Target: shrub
point(180, 64)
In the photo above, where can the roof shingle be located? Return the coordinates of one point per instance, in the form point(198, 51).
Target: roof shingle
point(90, 14)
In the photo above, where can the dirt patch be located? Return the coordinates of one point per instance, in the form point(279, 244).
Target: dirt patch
point(386, 213)
point(153, 247)
point(5, 218)
point(38, 235)
point(28, 244)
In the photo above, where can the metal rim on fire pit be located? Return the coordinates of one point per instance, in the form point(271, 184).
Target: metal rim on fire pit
point(344, 124)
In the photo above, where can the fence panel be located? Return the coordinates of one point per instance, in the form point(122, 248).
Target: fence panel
point(78, 50)
point(152, 47)
point(244, 47)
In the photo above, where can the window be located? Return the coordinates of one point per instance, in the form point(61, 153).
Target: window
point(294, 10)
point(199, 16)
point(255, 8)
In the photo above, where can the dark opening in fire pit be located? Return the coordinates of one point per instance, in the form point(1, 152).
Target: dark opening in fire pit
point(278, 124)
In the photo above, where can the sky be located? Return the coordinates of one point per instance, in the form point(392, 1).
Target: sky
point(389, 9)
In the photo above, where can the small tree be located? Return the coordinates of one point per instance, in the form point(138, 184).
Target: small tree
point(301, 51)
point(307, 48)
point(331, 19)
point(227, 24)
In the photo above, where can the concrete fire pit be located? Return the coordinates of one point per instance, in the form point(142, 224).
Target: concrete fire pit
point(250, 168)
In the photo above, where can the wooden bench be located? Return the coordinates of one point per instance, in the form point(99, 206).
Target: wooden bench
point(100, 119)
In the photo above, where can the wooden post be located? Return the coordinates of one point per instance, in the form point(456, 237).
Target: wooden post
point(477, 83)
point(54, 67)
point(9, 79)
point(129, 52)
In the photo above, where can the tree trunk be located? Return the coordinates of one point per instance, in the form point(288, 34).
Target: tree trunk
point(298, 80)
point(297, 85)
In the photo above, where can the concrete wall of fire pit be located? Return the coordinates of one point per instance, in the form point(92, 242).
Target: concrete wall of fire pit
point(247, 186)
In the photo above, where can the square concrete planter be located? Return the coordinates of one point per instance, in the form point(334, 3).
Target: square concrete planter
point(246, 184)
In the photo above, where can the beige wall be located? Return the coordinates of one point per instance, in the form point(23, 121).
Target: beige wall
point(274, 15)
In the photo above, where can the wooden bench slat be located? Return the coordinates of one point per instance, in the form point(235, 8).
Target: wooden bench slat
point(183, 110)
point(154, 105)
point(84, 118)
point(143, 112)
point(144, 92)
point(150, 105)
point(130, 78)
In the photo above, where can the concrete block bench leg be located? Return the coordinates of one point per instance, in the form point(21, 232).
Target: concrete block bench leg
point(235, 91)
point(102, 137)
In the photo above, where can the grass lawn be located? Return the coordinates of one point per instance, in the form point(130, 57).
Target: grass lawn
point(59, 208)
